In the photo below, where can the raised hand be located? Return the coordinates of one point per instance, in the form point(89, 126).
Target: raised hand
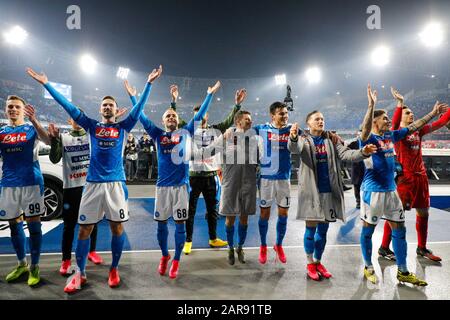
point(130, 90)
point(228, 133)
point(156, 73)
point(53, 131)
point(369, 149)
point(215, 88)
point(335, 138)
point(441, 107)
point(240, 96)
point(29, 112)
point(371, 96)
point(121, 112)
point(174, 92)
point(41, 78)
point(397, 96)
point(294, 131)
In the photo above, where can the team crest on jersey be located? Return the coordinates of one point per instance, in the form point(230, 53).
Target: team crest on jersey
point(374, 219)
point(82, 217)
point(156, 214)
point(13, 138)
point(107, 133)
point(2, 213)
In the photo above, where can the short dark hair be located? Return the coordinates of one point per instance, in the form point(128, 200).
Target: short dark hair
point(238, 116)
point(276, 105)
point(12, 97)
point(378, 113)
point(309, 115)
point(196, 108)
point(110, 98)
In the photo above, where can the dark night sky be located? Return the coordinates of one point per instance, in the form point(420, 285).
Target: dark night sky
point(228, 38)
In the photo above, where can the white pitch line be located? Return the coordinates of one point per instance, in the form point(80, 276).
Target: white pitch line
point(218, 249)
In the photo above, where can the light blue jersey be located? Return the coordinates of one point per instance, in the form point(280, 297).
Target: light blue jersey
point(380, 167)
point(106, 140)
point(276, 158)
point(19, 147)
point(172, 147)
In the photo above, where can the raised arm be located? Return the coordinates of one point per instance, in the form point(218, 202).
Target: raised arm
point(137, 109)
point(418, 124)
point(42, 133)
point(72, 110)
point(295, 143)
point(397, 117)
point(368, 119)
point(203, 108)
point(444, 120)
point(55, 144)
point(173, 104)
point(239, 97)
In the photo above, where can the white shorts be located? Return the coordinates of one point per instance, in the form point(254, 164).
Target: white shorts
point(14, 201)
point(171, 202)
point(101, 199)
point(328, 210)
point(274, 189)
point(377, 205)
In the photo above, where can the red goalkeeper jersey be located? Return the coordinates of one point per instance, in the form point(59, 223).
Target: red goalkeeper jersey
point(409, 150)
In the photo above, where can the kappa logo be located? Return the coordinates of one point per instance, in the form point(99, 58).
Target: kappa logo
point(13, 138)
point(107, 133)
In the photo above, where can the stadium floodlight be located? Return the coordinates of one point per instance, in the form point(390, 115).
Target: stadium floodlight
point(280, 79)
point(432, 35)
point(313, 75)
point(433, 76)
point(338, 93)
point(88, 64)
point(257, 99)
point(179, 98)
point(15, 36)
point(122, 73)
point(381, 56)
point(218, 99)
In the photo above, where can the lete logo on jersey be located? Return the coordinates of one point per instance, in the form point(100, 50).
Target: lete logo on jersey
point(278, 137)
point(107, 133)
point(13, 138)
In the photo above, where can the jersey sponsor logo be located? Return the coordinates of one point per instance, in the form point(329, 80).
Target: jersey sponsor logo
point(107, 144)
point(174, 139)
point(80, 167)
point(13, 138)
point(107, 133)
point(12, 150)
point(77, 175)
point(83, 147)
point(85, 157)
point(278, 137)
